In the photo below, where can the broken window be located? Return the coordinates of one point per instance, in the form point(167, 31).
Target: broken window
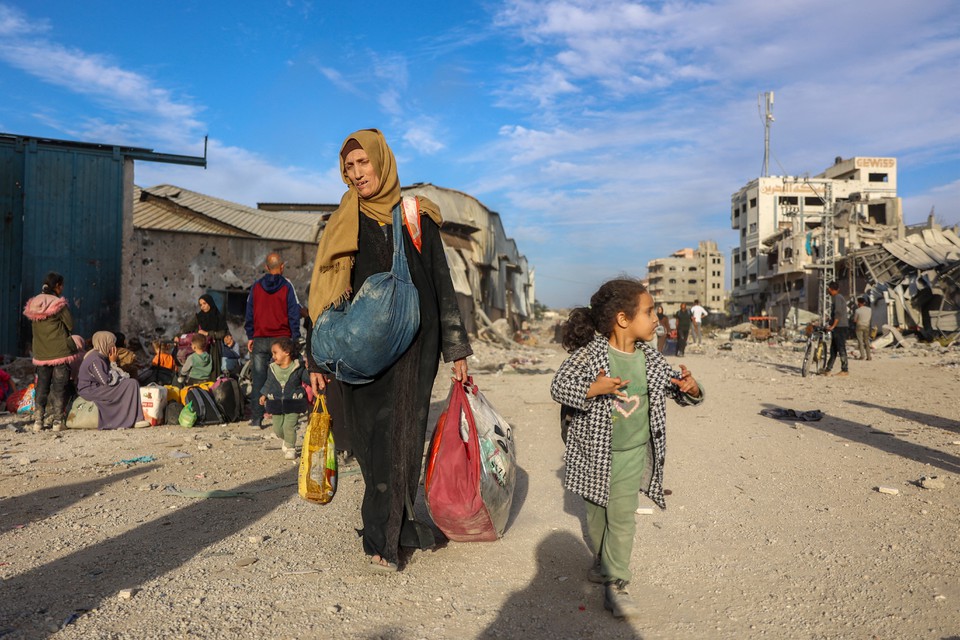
point(877, 213)
point(878, 177)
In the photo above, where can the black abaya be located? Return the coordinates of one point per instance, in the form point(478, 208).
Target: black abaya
point(388, 416)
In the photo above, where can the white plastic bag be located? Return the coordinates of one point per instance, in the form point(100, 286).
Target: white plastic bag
point(153, 401)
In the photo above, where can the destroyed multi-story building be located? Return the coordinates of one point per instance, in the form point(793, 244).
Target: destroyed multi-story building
point(790, 226)
point(688, 275)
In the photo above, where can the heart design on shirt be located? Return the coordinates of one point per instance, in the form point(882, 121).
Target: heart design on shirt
point(628, 405)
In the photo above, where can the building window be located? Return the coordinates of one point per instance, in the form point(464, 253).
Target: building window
point(878, 177)
point(753, 277)
point(753, 227)
point(789, 200)
point(743, 232)
point(753, 203)
point(812, 201)
point(753, 252)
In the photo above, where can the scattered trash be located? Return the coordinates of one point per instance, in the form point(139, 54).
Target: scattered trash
point(889, 491)
point(644, 511)
point(726, 346)
point(137, 460)
point(127, 594)
point(179, 454)
point(931, 482)
point(256, 539)
point(203, 446)
point(790, 414)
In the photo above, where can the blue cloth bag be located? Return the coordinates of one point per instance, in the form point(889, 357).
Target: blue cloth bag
point(359, 338)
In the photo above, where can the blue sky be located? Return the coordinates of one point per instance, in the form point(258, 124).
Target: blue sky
point(604, 133)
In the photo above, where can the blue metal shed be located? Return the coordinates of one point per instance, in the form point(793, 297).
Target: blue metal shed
point(62, 207)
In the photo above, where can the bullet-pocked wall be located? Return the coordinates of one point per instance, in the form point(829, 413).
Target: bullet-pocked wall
point(167, 272)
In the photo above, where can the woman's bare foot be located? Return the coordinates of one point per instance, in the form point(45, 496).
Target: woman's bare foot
point(382, 564)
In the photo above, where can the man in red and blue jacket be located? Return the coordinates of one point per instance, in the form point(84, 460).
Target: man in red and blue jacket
point(273, 311)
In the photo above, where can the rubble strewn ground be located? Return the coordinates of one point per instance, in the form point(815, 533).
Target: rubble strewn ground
point(774, 528)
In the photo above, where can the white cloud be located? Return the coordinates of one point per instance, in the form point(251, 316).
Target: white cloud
point(245, 177)
point(942, 200)
point(138, 101)
point(14, 23)
point(423, 138)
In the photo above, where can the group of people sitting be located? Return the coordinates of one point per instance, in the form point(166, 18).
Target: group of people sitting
point(104, 371)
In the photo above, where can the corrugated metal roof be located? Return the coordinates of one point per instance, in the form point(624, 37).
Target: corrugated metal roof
point(172, 208)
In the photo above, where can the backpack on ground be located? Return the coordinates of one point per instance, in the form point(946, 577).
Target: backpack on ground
point(204, 405)
point(226, 393)
point(171, 413)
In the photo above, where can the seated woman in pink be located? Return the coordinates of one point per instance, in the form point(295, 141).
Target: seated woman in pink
point(117, 398)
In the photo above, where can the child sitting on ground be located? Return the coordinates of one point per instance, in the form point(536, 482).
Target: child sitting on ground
point(126, 359)
point(162, 369)
point(162, 357)
point(199, 365)
point(283, 394)
point(229, 357)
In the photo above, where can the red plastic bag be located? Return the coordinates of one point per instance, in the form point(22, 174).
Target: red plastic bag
point(22, 401)
point(471, 468)
point(6, 386)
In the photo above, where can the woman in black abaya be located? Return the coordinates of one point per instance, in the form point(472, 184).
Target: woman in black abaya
point(388, 416)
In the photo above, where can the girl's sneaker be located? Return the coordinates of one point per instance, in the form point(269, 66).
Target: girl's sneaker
point(289, 453)
point(618, 601)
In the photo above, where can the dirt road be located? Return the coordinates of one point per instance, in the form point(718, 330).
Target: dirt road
point(774, 528)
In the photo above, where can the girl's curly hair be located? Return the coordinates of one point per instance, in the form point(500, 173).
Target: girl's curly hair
point(614, 296)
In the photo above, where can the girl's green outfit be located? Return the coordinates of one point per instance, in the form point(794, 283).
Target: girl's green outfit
point(612, 528)
point(616, 447)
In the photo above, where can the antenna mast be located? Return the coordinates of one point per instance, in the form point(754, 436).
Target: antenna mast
point(765, 102)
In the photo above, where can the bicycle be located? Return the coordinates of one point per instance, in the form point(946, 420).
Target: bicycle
point(817, 351)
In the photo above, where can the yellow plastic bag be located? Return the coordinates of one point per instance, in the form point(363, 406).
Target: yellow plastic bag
point(318, 458)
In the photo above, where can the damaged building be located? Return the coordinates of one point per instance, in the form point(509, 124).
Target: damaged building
point(185, 244)
point(138, 259)
point(788, 225)
point(912, 282)
point(850, 219)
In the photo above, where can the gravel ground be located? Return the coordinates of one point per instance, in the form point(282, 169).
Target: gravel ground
point(774, 528)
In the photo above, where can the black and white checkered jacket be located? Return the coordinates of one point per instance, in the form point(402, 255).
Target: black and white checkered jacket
point(587, 456)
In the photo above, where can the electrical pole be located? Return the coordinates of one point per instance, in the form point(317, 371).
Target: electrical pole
point(828, 253)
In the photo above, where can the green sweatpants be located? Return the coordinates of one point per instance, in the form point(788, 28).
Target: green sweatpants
point(285, 426)
point(612, 529)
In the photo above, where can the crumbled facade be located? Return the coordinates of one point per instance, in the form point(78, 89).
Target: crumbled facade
point(688, 275)
point(781, 223)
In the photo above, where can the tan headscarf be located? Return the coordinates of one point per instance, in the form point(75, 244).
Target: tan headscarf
point(103, 341)
point(330, 283)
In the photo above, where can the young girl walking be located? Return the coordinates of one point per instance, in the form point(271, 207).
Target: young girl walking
point(283, 394)
point(615, 387)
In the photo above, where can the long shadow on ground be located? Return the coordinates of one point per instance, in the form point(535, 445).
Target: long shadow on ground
point(925, 419)
point(882, 440)
point(559, 602)
point(80, 581)
point(19, 511)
